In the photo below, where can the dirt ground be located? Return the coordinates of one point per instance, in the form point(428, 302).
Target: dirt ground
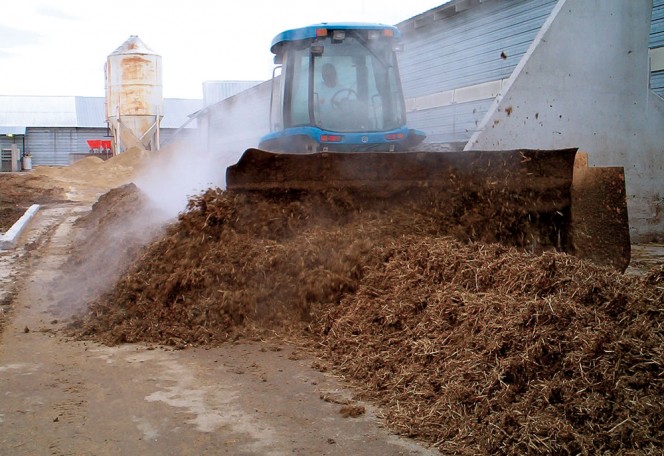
point(465, 349)
point(66, 397)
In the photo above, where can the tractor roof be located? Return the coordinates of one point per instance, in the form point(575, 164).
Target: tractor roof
point(309, 32)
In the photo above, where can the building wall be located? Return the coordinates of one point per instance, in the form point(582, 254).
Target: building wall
point(62, 146)
point(50, 146)
point(584, 83)
point(455, 58)
point(7, 141)
point(657, 83)
point(55, 146)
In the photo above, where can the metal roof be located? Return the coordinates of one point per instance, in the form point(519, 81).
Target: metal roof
point(446, 9)
point(79, 112)
point(178, 110)
point(12, 131)
point(90, 112)
point(25, 111)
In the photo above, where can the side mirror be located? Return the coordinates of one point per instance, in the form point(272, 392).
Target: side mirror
point(278, 59)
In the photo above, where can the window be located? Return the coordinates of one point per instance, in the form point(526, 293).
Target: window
point(355, 86)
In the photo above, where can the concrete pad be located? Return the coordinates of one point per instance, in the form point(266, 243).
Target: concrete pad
point(8, 240)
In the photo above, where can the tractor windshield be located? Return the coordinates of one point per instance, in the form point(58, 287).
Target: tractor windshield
point(353, 86)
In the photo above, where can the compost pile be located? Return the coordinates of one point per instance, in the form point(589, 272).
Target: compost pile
point(474, 347)
point(485, 350)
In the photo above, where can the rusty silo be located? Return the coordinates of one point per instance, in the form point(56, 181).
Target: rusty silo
point(134, 98)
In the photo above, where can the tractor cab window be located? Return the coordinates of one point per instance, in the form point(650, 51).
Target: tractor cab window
point(356, 87)
point(335, 93)
point(297, 89)
point(352, 86)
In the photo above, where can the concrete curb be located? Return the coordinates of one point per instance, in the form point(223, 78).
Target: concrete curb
point(8, 240)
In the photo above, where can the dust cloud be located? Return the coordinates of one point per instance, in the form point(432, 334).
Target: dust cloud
point(104, 243)
point(191, 163)
point(138, 193)
point(154, 190)
point(178, 172)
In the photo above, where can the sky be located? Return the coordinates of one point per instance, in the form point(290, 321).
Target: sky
point(59, 47)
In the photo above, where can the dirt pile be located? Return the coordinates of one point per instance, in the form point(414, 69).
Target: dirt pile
point(83, 180)
point(27, 189)
point(90, 177)
point(476, 348)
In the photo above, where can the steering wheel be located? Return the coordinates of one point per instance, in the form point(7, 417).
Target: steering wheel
point(341, 96)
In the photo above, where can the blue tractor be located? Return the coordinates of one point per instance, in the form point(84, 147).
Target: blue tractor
point(338, 90)
point(338, 122)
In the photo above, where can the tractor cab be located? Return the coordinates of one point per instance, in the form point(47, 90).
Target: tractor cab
point(337, 88)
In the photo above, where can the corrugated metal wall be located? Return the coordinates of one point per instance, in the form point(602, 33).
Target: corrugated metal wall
point(465, 48)
point(166, 135)
point(657, 24)
point(56, 146)
point(446, 49)
point(657, 41)
point(450, 124)
point(657, 82)
point(50, 146)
